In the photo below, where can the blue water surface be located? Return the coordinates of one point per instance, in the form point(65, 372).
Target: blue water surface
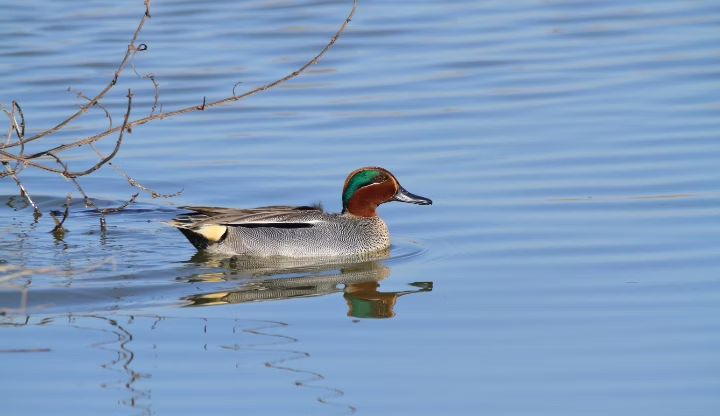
point(567, 266)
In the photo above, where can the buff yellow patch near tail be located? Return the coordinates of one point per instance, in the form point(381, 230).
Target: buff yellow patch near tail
point(211, 232)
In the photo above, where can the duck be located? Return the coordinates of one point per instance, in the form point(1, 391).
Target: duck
point(301, 231)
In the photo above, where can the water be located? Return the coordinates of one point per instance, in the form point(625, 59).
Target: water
point(567, 265)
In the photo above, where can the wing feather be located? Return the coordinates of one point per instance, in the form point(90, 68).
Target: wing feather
point(278, 216)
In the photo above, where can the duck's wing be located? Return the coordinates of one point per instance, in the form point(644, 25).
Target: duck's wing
point(272, 216)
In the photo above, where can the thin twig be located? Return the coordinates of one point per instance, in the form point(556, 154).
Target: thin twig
point(11, 129)
point(88, 202)
point(81, 95)
point(161, 115)
point(116, 209)
point(131, 47)
point(20, 131)
point(123, 129)
point(23, 191)
point(59, 224)
point(136, 184)
point(22, 118)
point(130, 180)
point(143, 47)
point(68, 174)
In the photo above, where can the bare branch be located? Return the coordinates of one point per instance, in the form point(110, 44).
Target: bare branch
point(81, 95)
point(23, 191)
point(97, 166)
point(66, 173)
point(136, 184)
point(22, 118)
point(88, 201)
point(58, 224)
point(234, 97)
point(19, 129)
point(150, 76)
point(131, 47)
point(21, 160)
point(130, 180)
point(116, 209)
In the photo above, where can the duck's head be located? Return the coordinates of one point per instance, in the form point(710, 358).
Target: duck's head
point(368, 187)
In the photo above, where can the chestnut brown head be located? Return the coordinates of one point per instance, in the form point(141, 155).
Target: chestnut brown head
point(368, 187)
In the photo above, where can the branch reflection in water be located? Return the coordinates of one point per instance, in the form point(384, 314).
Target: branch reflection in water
point(263, 279)
point(127, 358)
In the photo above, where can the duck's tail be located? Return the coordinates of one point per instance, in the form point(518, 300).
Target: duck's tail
point(201, 237)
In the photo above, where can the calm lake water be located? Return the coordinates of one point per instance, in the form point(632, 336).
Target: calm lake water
point(568, 266)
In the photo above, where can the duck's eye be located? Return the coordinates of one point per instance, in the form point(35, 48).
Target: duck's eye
point(381, 178)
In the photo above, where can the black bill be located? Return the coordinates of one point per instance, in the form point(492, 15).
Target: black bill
point(403, 195)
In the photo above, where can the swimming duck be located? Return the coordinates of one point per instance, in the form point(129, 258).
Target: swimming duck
point(301, 231)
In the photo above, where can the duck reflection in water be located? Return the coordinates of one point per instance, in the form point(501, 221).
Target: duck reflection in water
point(262, 279)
